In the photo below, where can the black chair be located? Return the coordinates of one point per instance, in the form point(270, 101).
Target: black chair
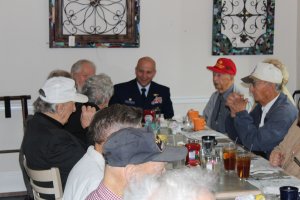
point(7, 103)
point(296, 97)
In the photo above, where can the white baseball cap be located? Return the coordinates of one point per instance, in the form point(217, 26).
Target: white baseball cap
point(61, 90)
point(265, 72)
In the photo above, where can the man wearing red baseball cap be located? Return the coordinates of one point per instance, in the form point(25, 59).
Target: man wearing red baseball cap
point(215, 111)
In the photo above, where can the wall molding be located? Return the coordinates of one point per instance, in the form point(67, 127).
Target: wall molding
point(190, 99)
point(175, 100)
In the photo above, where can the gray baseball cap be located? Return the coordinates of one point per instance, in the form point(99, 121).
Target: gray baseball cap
point(137, 146)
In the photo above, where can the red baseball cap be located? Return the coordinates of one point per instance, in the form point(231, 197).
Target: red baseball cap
point(223, 66)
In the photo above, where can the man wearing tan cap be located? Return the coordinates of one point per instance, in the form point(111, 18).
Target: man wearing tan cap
point(267, 124)
point(215, 111)
point(131, 154)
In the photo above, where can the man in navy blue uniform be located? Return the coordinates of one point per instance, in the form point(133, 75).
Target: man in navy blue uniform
point(143, 92)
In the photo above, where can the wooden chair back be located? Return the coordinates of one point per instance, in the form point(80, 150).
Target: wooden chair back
point(50, 175)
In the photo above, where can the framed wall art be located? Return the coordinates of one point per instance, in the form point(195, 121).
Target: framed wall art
point(94, 23)
point(243, 27)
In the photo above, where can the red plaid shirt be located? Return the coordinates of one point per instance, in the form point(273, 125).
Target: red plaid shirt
point(103, 193)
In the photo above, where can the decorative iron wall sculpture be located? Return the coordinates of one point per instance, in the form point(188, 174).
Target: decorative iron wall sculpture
point(243, 27)
point(94, 23)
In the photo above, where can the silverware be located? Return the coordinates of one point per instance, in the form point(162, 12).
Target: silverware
point(297, 161)
point(263, 171)
point(278, 177)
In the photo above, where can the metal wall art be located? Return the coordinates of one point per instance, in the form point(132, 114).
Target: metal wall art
point(94, 23)
point(243, 27)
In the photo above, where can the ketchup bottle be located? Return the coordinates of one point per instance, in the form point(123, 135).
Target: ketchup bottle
point(148, 116)
point(193, 156)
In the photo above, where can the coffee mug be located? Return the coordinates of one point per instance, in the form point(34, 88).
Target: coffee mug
point(289, 193)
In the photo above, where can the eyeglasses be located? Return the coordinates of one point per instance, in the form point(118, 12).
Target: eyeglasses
point(256, 82)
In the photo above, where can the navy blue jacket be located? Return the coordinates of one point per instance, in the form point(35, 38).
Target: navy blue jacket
point(158, 97)
point(263, 139)
point(74, 127)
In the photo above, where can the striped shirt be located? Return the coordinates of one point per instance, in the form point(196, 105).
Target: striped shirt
point(103, 193)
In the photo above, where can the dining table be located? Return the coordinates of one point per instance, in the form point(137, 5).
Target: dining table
point(264, 179)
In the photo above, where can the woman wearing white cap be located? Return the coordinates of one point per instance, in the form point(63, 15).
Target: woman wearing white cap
point(46, 144)
point(285, 76)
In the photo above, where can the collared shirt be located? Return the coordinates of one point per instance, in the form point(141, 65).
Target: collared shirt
point(209, 108)
point(103, 193)
point(228, 91)
point(277, 122)
point(85, 176)
point(146, 87)
point(265, 109)
point(47, 144)
point(220, 111)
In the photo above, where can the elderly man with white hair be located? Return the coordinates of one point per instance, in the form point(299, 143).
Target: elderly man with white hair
point(46, 143)
point(88, 171)
point(81, 71)
point(178, 184)
point(267, 124)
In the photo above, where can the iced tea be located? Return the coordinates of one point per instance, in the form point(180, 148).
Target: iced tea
point(243, 165)
point(229, 156)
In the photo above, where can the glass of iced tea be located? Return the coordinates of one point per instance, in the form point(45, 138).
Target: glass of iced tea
point(229, 156)
point(243, 160)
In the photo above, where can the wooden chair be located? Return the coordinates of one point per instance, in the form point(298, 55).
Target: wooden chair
point(51, 175)
point(21, 160)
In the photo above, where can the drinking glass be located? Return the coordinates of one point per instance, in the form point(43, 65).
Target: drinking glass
point(229, 156)
point(243, 160)
point(212, 163)
point(217, 164)
point(155, 125)
point(187, 124)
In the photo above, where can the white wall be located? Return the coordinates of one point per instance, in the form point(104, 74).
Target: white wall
point(176, 33)
point(298, 49)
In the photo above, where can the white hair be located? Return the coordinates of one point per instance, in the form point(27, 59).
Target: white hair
point(76, 67)
point(178, 184)
point(99, 88)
